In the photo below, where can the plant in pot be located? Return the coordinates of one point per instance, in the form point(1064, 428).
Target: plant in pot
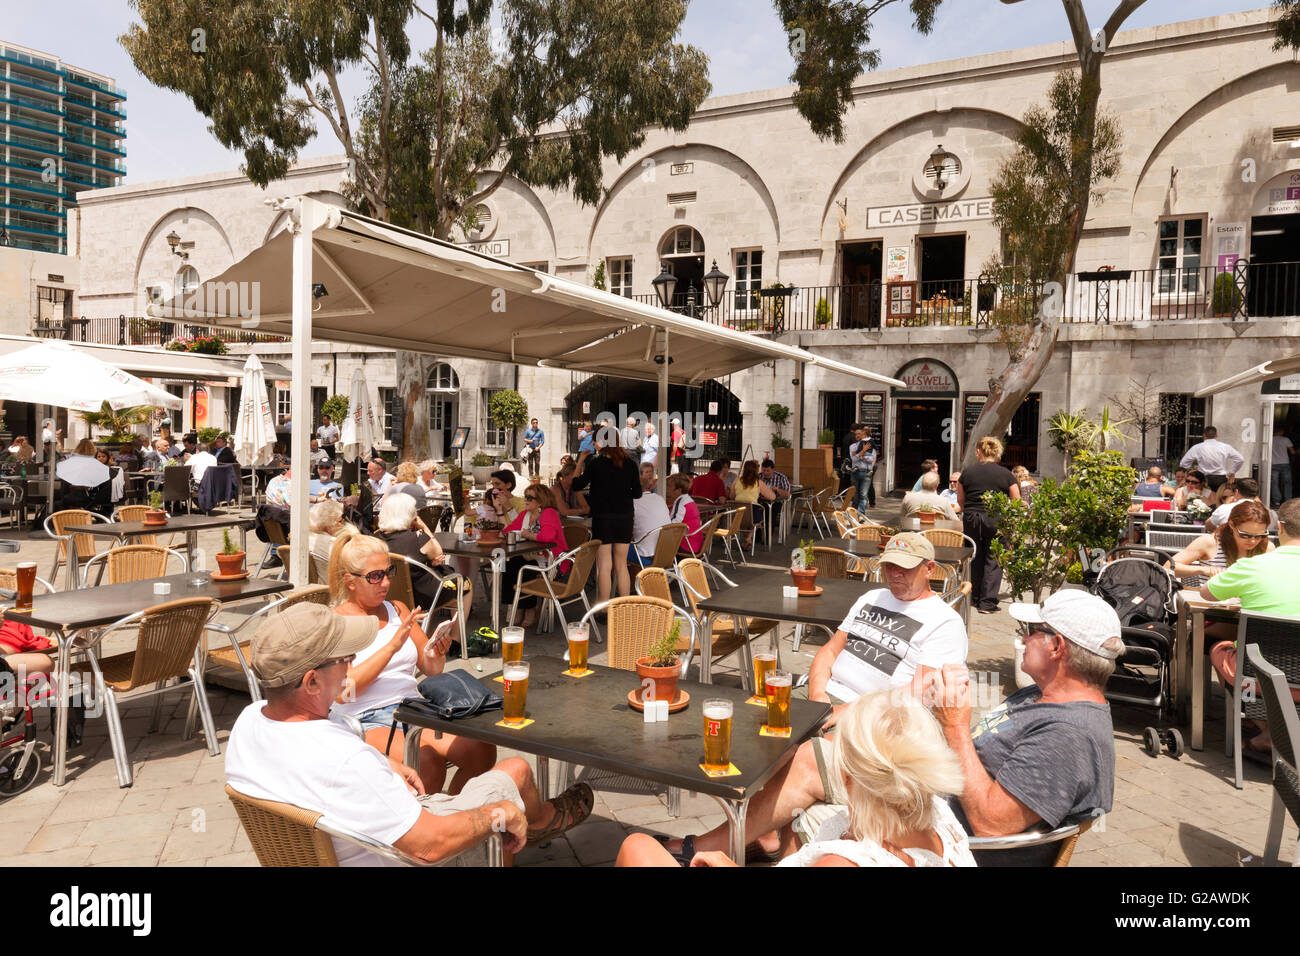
point(1226, 299)
point(229, 559)
point(826, 438)
point(927, 514)
point(804, 568)
point(489, 531)
point(662, 664)
point(886, 532)
point(482, 466)
point(155, 515)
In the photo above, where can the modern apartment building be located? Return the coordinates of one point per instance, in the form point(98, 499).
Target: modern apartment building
point(61, 132)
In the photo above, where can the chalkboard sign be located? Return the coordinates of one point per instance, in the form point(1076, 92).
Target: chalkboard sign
point(396, 419)
point(972, 406)
point(871, 411)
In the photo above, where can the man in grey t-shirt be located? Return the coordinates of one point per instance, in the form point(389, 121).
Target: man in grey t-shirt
point(1048, 752)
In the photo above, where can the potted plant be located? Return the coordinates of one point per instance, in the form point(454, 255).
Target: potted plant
point(826, 438)
point(489, 531)
point(822, 313)
point(804, 568)
point(662, 665)
point(927, 514)
point(1226, 299)
point(507, 409)
point(230, 559)
point(886, 532)
point(155, 515)
point(482, 466)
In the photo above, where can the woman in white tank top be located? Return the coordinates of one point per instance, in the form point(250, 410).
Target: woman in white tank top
point(383, 674)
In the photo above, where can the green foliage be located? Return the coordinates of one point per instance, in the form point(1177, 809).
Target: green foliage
point(482, 459)
point(809, 555)
point(1073, 432)
point(155, 500)
point(1288, 25)
point(202, 344)
point(780, 441)
point(508, 409)
point(336, 407)
point(118, 423)
point(822, 313)
point(228, 543)
point(598, 277)
point(826, 437)
point(778, 414)
point(207, 436)
point(663, 653)
point(1227, 297)
point(1038, 540)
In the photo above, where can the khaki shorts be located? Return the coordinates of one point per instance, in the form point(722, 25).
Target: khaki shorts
point(491, 787)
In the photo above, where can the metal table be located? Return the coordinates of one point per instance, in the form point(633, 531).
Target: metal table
point(762, 597)
point(588, 722)
point(191, 525)
point(65, 613)
point(1190, 675)
point(497, 554)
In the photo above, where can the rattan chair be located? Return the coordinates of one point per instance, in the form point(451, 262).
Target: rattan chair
point(9, 582)
point(403, 587)
point(234, 657)
point(868, 532)
point(834, 563)
point(136, 513)
point(1278, 639)
point(1067, 834)
point(732, 532)
point(314, 567)
point(947, 577)
point(728, 632)
point(283, 834)
point(1284, 729)
point(575, 534)
point(130, 562)
point(83, 544)
point(167, 649)
point(276, 536)
point(666, 547)
point(559, 593)
point(653, 582)
point(948, 538)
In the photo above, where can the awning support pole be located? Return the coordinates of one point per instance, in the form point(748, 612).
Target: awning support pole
point(798, 421)
point(661, 424)
point(300, 389)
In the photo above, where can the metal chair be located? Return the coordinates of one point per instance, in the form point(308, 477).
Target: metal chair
point(234, 657)
point(724, 638)
point(283, 834)
point(136, 513)
point(11, 503)
point(946, 576)
point(276, 536)
point(575, 534)
point(1284, 728)
point(732, 532)
point(666, 545)
point(177, 486)
point(403, 587)
point(806, 508)
point(559, 593)
point(83, 546)
point(948, 538)
point(314, 575)
point(834, 563)
point(1067, 834)
point(1278, 639)
point(167, 649)
point(707, 531)
point(868, 532)
point(131, 562)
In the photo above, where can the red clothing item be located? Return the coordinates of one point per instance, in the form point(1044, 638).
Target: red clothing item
point(684, 510)
point(709, 486)
point(550, 533)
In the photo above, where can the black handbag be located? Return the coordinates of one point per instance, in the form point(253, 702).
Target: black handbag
point(454, 696)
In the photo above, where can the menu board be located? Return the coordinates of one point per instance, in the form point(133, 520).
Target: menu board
point(902, 300)
point(871, 411)
point(971, 407)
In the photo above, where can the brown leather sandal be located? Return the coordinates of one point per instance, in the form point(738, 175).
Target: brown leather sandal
point(571, 808)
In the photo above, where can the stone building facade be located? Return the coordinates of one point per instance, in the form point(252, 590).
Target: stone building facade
point(883, 238)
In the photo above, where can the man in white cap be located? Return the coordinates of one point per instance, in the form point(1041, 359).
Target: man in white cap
point(1048, 752)
point(286, 748)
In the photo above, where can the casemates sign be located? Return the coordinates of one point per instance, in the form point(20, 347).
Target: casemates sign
point(927, 376)
point(915, 214)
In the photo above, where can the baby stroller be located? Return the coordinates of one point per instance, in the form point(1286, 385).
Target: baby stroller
point(1143, 595)
point(20, 761)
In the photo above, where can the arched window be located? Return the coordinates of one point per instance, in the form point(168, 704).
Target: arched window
point(443, 379)
point(682, 241)
point(186, 281)
point(440, 391)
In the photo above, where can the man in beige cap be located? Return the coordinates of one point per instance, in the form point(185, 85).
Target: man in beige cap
point(890, 638)
point(287, 749)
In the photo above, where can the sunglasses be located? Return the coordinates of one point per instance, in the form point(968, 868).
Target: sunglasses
point(1250, 537)
point(1029, 630)
point(374, 577)
point(530, 497)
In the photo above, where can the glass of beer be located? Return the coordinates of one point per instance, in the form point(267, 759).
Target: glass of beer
point(512, 644)
point(578, 647)
point(516, 681)
point(778, 699)
point(26, 576)
point(717, 734)
point(764, 664)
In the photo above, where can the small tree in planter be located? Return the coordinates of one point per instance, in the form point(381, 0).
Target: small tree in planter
point(1226, 299)
point(826, 437)
point(117, 423)
point(481, 465)
point(155, 515)
point(778, 415)
point(662, 664)
point(230, 559)
point(507, 409)
point(336, 407)
point(803, 567)
point(822, 314)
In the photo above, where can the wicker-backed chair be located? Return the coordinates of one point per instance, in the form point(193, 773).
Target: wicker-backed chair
point(653, 582)
point(130, 562)
point(707, 531)
point(728, 632)
point(575, 533)
point(834, 563)
point(732, 531)
point(844, 525)
point(235, 657)
point(167, 649)
point(137, 513)
point(317, 568)
point(666, 547)
point(283, 834)
point(947, 538)
point(1284, 728)
point(944, 578)
point(868, 532)
point(1067, 834)
point(276, 537)
point(807, 510)
point(83, 544)
point(559, 593)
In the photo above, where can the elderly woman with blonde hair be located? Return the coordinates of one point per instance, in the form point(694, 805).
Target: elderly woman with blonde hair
point(427, 477)
point(897, 769)
point(326, 522)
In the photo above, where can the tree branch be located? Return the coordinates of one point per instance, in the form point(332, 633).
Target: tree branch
point(1122, 13)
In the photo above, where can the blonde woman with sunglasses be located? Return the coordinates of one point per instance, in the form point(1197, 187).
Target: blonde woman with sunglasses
point(382, 675)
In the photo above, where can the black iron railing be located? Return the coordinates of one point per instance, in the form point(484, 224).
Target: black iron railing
point(139, 330)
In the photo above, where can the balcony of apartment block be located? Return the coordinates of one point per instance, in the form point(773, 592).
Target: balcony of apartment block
point(16, 161)
point(38, 187)
point(77, 157)
point(36, 244)
point(23, 203)
point(44, 108)
point(101, 87)
point(82, 142)
point(34, 225)
point(75, 98)
point(73, 120)
point(29, 60)
point(29, 82)
point(1118, 297)
point(32, 123)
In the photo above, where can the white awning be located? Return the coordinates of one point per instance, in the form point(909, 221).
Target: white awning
point(155, 362)
point(1287, 365)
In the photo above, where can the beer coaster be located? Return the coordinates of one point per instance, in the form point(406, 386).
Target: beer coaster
point(585, 672)
point(527, 721)
point(499, 679)
point(766, 731)
point(757, 701)
point(731, 771)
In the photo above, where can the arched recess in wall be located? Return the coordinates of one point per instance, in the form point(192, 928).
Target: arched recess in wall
point(951, 118)
point(703, 151)
point(281, 218)
point(513, 186)
point(168, 220)
point(1254, 82)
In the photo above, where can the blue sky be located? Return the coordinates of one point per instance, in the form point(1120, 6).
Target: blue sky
point(743, 39)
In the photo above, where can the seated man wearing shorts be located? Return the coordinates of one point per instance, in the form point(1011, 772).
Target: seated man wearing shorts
point(286, 748)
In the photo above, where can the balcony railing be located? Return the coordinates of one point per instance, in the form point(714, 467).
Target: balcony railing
point(1119, 297)
point(140, 330)
point(115, 109)
point(45, 106)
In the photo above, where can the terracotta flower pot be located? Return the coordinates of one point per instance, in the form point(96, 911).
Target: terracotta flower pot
point(665, 678)
point(805, 581)
point(884, 540)
point(489, 537)
point(155, 516)
point(230, 563)
point(927, 517)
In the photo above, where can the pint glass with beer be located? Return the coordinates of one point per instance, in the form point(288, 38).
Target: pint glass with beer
point(578, 645)
point(778, 700)
point(516, 691)
point(26, 583)
point(512, 644)
point(764, 664)
point(717, 734)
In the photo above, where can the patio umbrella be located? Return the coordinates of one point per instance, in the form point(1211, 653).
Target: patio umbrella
point(254, 438)
point(360, 427)
point(54, 373)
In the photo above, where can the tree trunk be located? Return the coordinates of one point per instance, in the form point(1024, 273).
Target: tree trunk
point(412, 382)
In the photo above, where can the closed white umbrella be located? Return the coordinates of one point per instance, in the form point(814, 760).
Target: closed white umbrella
point(360, 427)
point(254, 440)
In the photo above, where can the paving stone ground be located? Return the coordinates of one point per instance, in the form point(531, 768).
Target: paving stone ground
point(1167, 812)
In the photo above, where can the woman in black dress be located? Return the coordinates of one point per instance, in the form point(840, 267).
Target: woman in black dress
point(612, 482)
point(988, 475)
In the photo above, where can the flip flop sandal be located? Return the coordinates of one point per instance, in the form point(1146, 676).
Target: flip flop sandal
point(685, 854)
point(571, 808)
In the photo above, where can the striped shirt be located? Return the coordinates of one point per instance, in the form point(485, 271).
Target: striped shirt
point(778, 482)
